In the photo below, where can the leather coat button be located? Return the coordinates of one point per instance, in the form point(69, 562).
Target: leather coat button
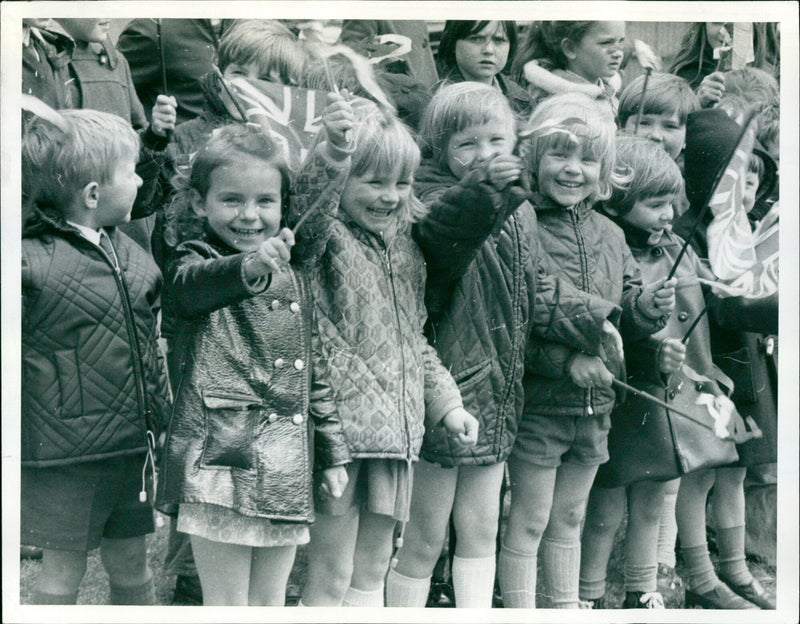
point(658, 251)
point(279, 363)
point(275, 304)
point(299, 364)
point(698, 386)
point(297, 419)
point(273, 417)
point(671, 394)
point(683, 316)
point(294, 307)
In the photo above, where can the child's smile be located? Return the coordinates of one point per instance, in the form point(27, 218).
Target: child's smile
point(653, 215)
point(568, 175)
point(374, 199)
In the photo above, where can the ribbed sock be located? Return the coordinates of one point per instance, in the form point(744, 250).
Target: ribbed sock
point(46, 598)
point(359, 598)
point(561, 565)
point(473, 581)
point(731, 561)
point(517, 574)
point(144, 594)
point(667, 531)
point(405, 591)
point(699, 568)
point(641, 578)
point(591, 589)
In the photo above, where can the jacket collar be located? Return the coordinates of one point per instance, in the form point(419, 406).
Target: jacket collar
point(543, 203)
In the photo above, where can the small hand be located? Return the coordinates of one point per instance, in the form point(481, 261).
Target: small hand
point(163, 116)
point(463, 425)
point(711, 89)
point(503, 170)
point(658, 298)
point(334, 481)
point(611, 347)
point(271, 255)
point(588, 371)
point(672, 355)
point(338, 119)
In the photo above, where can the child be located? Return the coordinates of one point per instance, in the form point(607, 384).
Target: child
point(480, 51)
point(480, 297)
point(385, 381)
point(643, 209)
point(93, 387)
point(587, 54)
point(236, 465)
point(696, 62)
point(563, 431)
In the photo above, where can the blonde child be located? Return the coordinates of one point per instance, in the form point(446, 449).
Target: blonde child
point(563, 431)
point(237, 468)
point(471, 181)
point(385, 382)
point(586, 54)
point(94, 389)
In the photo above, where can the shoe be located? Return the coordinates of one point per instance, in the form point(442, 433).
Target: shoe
point(30, 552)
point(441, 595)
point(594, 603)
point(643, 600)
point(720, 597)
point(188, 590)
point(756, 593)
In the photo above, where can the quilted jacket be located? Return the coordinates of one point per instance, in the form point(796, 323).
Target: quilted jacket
point(239, 436)
point(386, 381)
point(485, 293)
point(587, 248)
point(92, 379)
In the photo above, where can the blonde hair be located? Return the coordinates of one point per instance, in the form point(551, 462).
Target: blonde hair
point(458, 106)
point(571, 119)
point(384, 143)
point(57, 162)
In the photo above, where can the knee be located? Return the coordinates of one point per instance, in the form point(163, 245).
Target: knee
point(125, 559)
point(477, 528)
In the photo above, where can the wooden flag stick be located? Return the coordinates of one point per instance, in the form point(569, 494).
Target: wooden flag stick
point(648, 71)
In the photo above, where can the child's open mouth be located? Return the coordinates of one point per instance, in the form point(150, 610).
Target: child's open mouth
point(248, 233)
point(568, 184)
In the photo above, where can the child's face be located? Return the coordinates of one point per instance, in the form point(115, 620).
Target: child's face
point(116, 196)
point(251, 71)
point(664, 128)
point(568, 174)
point(243, 203)
point(599, 53)
point(716, 34)
point(651, 214)
point(481, 55)
point(478, 144)
point(750, 188)
point(373, 200)
point(91, 30)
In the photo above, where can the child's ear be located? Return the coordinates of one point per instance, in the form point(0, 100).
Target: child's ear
point(568, 48)
point(198, 205)
point(90, 195)
point(608, 208)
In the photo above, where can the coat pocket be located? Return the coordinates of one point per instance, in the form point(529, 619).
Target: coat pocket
point(230, 424)
point(69, 382)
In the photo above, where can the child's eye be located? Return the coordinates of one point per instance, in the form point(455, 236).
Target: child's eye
point(267, 199)
point(230, 199)
point(499, 140)
point(499, 39)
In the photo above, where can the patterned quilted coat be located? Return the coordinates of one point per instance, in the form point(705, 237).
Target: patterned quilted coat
point(239, 436)
point(386, 381)
point(589, 249)
point(485, 292)
point(92, 380)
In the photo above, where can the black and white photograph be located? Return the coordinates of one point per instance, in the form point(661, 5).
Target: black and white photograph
point(408, 306)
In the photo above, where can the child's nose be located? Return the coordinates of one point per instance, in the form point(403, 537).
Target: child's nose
point(139, 181)
point(249, 211)
point(390, 195)
point(485, 152)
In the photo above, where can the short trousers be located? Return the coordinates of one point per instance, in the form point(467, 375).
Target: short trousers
point(221, 524)
point(72, 507)
point(382, 485)
point(552, 440)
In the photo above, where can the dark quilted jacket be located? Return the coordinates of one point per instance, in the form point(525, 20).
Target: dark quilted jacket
point(239, 436)
point(386, 381)
point(588, 249)
point(485, 292)
point(92, 378)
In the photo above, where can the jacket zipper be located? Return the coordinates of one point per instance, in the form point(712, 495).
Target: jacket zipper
point(587, 395)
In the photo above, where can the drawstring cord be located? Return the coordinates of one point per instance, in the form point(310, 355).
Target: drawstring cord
point(398, 542)
point(149, 458)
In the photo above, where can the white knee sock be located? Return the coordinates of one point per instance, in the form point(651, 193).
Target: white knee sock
point(359, 598)
point(405, 591)
point(667, 531)
point(473, 581)
point(517, 574)
point(561, 566)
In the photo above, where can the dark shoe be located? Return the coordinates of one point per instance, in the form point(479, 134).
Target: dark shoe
point(721, 597)
point(756, 593)
point(595, 603)
point(670, 586)
point(441, 595)
point(188, 590)
point(30, 552)
point(643, 600)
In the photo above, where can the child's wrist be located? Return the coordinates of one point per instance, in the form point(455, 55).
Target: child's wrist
point(252, 279)
point(153, 141)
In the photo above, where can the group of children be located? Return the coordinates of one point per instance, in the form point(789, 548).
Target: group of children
point(363, 347)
